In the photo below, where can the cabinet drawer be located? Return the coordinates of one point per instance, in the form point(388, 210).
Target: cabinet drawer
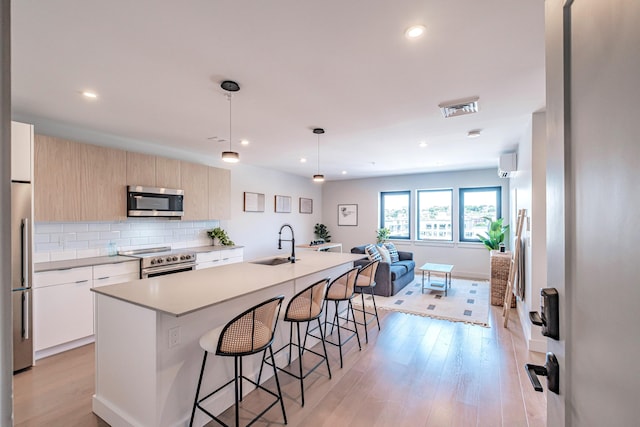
point(112, 280)
point(103, 271)
point(57, 277)
point(228, 254)
point(207, 256)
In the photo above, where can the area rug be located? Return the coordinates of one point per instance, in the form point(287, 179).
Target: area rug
point(466, 301)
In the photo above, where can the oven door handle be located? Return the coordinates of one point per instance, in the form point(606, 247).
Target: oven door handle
point(168, 268)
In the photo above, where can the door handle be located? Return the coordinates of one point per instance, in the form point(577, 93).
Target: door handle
point(25, 253)
point(25, 315)
point(551, 370)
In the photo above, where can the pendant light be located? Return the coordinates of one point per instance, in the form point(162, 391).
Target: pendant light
point(230, 86)
point(318, 177)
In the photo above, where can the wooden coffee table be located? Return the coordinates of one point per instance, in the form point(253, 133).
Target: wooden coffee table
point(438, 269)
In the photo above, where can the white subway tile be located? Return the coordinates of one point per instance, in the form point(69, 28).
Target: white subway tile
point(88, 253)
point(120, 226)
point(89, 235)
point(48, 247)
point(40, 257)
point(41, 238)
point(139, 241)
point(82, 244)
point(129, 233)
point(73, 227)
point(61, 256)
point(109, 235)
point(48, 227)
point(99, 226)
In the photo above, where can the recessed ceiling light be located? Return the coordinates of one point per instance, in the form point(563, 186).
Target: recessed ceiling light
point(303, 160)
point(423, 144)
point(244, 142)
point(414, 31)
point(89, 94)
point(344, 172)
point(474, 133)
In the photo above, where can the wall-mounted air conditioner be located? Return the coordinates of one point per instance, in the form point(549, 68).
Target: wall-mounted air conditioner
point(507, 167)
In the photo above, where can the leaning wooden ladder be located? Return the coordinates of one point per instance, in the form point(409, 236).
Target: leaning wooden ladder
point(513, 268)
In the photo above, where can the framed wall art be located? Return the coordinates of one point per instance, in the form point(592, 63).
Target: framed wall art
point(306, 205)
point(253, 202)
point(282, 204)
point(347, 214)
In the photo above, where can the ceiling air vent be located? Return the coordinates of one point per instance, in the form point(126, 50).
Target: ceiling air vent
point(459, 107)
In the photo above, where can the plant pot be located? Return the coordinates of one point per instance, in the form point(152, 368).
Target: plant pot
point(216, 242)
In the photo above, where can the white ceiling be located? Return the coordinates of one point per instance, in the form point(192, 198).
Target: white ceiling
point(343, 65)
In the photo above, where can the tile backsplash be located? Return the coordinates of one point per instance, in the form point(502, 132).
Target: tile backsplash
point(55, 241)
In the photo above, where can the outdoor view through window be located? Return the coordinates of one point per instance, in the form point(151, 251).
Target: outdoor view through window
point(435, 219)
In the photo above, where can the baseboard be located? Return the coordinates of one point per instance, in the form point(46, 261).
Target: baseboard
point(41, 354)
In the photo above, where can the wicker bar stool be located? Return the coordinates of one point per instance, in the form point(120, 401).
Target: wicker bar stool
point(342, 289)
point(248, 333)
point(304, 307)
point(365, 282)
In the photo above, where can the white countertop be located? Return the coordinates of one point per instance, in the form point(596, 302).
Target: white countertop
point(182, 293)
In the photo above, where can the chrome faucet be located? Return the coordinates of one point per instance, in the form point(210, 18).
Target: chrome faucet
point(292, 258)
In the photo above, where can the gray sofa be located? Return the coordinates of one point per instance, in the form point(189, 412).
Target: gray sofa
point(390, 278)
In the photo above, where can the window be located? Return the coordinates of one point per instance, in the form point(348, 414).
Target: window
point(434, 215)
point(394, 213)
point(475, 205)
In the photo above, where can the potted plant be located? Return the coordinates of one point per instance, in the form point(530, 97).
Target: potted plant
point(220, 237)
point(382, 235)
point(494, 235)
point(321, 232)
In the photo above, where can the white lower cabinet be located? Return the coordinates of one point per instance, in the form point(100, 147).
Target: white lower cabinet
point(62, 306)
point(218, 257)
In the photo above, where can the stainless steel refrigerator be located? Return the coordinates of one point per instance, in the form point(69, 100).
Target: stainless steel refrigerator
point(21, 275)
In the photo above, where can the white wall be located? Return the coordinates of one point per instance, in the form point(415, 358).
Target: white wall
point(258, 231)
point(528, 191)
point(469, 259)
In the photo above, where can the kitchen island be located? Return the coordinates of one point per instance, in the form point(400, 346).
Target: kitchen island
point(147, 333)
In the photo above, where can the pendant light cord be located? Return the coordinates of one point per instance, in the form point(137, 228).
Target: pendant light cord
point(229, 95)
point(318, 154)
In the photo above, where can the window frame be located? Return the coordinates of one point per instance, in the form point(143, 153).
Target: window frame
point(461, 193)
point(381, 221)
point(435, 190)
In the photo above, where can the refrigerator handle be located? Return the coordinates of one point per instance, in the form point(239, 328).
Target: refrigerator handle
point(25, 315)
point(25, 253)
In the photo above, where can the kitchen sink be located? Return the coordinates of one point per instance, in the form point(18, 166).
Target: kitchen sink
point(272, 261)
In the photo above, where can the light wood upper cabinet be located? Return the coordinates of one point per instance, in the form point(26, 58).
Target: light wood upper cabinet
point(219, 193)
point(57, 179)
point(167, 172)
point(104, 184)
point(194, 180)
point(141, 169)
point(152, 171)
point(78, 182)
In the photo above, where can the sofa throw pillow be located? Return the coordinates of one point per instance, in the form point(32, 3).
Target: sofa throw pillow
point(384, 253)
point(393, 252)
point(372, 253)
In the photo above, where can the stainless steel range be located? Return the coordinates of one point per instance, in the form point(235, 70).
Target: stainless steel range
point(163, 260)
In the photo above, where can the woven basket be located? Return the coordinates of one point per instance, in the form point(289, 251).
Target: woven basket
point(500, 263)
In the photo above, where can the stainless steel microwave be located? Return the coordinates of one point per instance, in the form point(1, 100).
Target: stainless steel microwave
point(153, 201)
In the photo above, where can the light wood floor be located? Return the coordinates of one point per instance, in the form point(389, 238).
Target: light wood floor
point(416, 372)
